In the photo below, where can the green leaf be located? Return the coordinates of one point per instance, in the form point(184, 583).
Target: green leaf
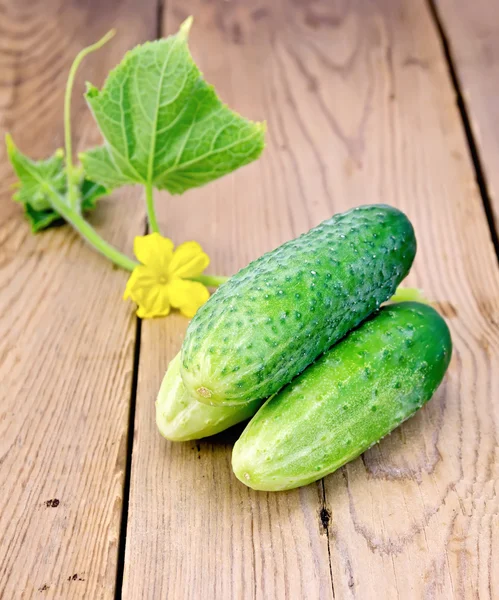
point(39, 180)
point(35, 178)
point(41, 219)
point(164, 125)
point(90, 193)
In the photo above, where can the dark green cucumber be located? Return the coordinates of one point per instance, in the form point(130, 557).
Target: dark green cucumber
point(274, 317)
point(355, 394)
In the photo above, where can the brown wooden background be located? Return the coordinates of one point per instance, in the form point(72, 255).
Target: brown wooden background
point(366, 101)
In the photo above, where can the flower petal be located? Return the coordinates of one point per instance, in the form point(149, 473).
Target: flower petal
point(187, 296)
point(130, 284)
point(154, 251)
point(157, 305)
point(151, 297)
point(141, 278)
point(188, 260)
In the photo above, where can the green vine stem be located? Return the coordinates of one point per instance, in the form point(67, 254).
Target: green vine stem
point(88, 232)
point(210, 280)
point(70, 210)
point(408, 294)
point(151, 212)
point(96, 241)
point(72, 173)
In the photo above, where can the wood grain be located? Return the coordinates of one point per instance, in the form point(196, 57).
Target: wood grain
point(66, 349)
point(360, 108)
point(193, 530)
point(420, 512)
point(472, 31)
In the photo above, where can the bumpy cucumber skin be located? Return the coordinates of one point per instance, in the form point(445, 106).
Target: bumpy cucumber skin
point(180, 417)
point(275, 316)
point(354, 395)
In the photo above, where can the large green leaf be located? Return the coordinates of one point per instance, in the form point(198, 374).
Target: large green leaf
point(164, 125)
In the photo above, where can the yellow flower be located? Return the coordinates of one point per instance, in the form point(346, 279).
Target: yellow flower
point(163, 279)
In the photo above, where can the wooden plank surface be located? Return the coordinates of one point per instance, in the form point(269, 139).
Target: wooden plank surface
point(472, 30)
point(193, 530)
point(360, 108)
point(418, 516)
point(67, 342)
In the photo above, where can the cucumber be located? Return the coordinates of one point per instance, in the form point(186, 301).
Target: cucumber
point(355, 394)
point(274, 317)
point(180, 417)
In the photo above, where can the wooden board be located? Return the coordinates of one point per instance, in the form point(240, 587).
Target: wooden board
point(417, 517)
point(193, 530)
point(472, 30)
point(360, 108)
point(67, 342)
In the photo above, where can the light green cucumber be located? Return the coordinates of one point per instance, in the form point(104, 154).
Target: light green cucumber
point(355, 394)
point(181, 417)
point(274, 317)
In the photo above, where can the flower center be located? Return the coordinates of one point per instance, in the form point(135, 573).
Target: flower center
point(163, 279)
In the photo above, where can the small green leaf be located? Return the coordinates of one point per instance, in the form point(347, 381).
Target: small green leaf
point(35, 178)
point(164, 125)
point(90, 193)
point(41, 219)
point(38, 180)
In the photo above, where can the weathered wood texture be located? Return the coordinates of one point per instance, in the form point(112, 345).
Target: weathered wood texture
point(193, 530)
point(66, 347)
point(360, 108)
point(472, 31)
